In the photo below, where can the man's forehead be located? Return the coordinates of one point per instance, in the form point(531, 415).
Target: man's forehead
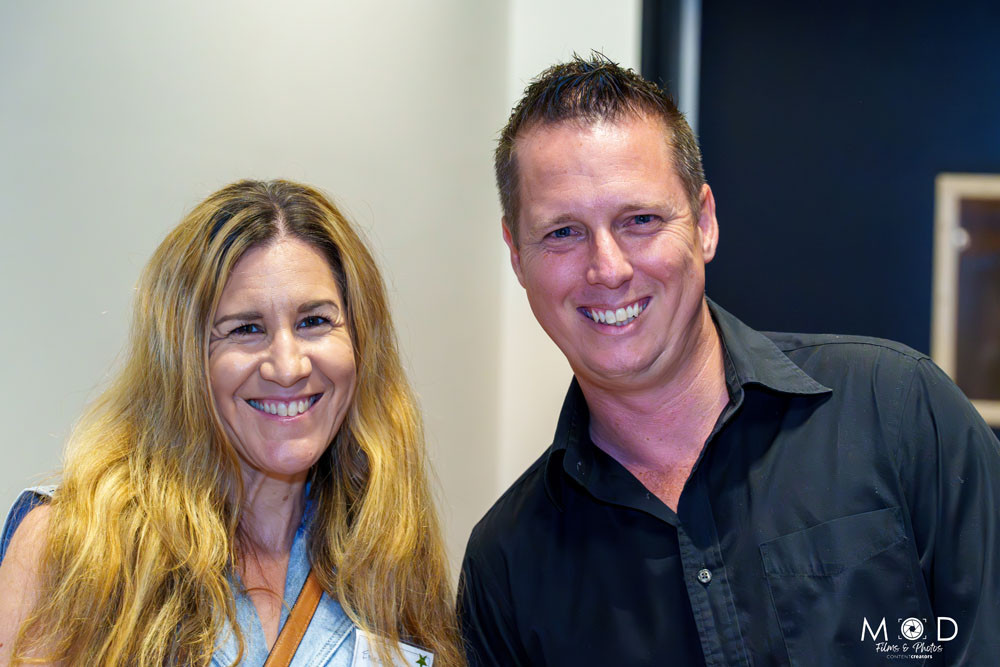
point(628, 146)
point(631, 147)
point(585, 181)
point(584, 126)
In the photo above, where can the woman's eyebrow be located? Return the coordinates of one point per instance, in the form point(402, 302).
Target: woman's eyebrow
point(312, 305)
point(238, 316)
point(253, 315)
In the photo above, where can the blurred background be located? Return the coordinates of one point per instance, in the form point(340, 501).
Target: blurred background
point(822, 128)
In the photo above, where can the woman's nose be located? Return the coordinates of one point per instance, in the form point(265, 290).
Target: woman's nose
point(286, 362)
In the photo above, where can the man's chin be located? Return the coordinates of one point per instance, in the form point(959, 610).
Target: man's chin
point(616, 372)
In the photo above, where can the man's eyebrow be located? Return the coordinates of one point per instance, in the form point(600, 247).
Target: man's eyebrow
point(559, 220)
point(661, 205)
point(245, 316)
point(651, 205)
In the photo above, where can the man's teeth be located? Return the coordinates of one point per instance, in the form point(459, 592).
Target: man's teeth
point(282, 408)
point(619, 317)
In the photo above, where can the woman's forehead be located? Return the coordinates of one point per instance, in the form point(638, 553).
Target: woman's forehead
point(287, 267)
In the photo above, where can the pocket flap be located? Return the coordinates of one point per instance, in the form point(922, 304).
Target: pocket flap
point(834, 546)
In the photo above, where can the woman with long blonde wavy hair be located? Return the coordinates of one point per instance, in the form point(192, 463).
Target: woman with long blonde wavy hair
point(261, 425)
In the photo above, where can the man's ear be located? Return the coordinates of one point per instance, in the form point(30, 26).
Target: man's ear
point(708, 226)
point(515, 255)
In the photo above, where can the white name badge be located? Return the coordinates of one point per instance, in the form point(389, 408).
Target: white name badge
point(364, 654)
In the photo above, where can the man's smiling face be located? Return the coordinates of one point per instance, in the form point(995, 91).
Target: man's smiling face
point(609, 251)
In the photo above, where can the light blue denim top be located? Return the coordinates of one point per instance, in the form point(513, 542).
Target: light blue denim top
point(329, 639)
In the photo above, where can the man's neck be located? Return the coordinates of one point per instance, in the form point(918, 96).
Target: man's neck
point(664, 426)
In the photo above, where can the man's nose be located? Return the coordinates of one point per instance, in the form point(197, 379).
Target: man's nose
point(286, 362)
point(609, 263)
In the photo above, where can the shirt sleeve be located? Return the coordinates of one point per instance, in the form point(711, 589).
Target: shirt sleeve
point(949, 461)
point(485, 614)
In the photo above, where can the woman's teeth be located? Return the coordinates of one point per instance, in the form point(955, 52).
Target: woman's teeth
point(284, 408)
point(619, 317)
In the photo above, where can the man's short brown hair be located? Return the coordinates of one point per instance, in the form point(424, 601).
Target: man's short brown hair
point(593, 90)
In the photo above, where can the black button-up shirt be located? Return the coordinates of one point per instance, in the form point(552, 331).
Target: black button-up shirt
point(848, 489)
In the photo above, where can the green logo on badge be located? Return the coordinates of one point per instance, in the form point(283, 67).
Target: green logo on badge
point(422, 660)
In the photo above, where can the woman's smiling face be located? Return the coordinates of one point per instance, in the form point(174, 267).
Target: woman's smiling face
point(280, 358)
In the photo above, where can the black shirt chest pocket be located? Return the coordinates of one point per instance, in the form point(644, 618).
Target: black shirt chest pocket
point(827, 579)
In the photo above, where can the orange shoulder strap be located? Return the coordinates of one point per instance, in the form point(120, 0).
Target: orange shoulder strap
point(295, 627)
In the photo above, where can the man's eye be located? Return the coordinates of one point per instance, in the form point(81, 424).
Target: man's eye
point(643, 218)
point(562, 233)
point(313, 321)
point(246, 330)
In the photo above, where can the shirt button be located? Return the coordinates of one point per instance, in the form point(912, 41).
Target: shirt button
point(704, 576)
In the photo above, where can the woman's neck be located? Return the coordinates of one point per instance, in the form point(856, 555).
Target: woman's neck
point(272, 512)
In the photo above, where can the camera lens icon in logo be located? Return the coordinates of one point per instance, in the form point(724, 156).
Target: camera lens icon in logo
point(912, 628)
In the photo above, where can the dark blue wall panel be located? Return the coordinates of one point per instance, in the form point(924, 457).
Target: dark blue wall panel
point(823, 126)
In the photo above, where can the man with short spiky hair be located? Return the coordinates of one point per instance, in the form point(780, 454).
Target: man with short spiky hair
point(713, 495)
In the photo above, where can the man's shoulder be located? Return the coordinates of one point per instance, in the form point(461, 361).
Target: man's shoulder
point(825, 358)
point(517, 512)
point(824, 353)
point(839, 346)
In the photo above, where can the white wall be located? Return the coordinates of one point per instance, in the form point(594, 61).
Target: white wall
point(117, 117)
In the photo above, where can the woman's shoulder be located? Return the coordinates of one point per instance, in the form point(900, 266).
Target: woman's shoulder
point(29, 537)
point(19, 566)
point(28, 500)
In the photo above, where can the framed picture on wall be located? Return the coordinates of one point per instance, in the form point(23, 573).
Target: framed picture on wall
point(965, 335)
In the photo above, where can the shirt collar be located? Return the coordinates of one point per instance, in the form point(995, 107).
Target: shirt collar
point(755, 359)
point(750, 357)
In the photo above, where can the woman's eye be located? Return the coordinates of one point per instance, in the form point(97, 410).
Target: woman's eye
point(643, 218)
point(313, 321)
point(246, 330)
